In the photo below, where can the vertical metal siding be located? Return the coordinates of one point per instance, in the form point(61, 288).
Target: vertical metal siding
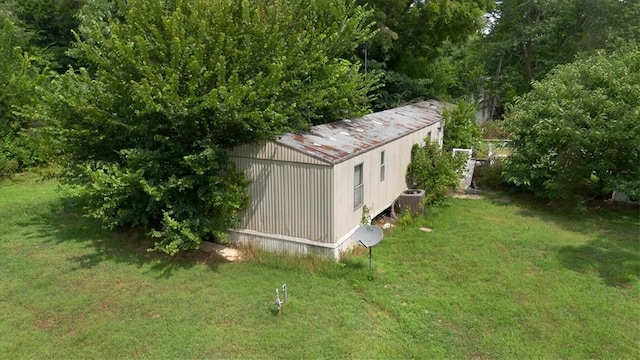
point(272, 151)
point(377, 194)
point(286, 198)
point(296, 195)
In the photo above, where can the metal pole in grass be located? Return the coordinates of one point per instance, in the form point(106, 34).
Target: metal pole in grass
point(284, 291)
point(278, 302)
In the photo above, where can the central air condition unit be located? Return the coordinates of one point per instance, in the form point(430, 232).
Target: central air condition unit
point(409, 200)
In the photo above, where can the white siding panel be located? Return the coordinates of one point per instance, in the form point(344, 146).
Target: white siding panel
point(286, 198)
point(378, 195)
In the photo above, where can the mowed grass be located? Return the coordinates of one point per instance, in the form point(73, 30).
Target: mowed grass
point(492, 280)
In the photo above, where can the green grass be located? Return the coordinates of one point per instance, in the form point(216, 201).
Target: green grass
point(493, 280)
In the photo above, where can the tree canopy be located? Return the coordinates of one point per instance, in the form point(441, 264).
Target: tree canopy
point(418, 47)
point(172, 84)
point(577, 133)
point(528, 39)
point(49, 24)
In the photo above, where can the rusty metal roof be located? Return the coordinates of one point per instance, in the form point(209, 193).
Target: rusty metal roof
point(344, 139)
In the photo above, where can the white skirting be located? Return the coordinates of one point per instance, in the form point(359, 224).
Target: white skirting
point(291, 245)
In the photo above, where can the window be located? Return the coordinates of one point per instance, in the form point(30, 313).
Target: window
point(358, 186)
point(382, 166)
point(429, 137)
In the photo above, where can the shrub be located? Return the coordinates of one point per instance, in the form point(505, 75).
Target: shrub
point(20, 144)
point(492, 129)
point(434, 170)
point(576, 134)
point(460, 127)
point(490, 175)
point(21, 151)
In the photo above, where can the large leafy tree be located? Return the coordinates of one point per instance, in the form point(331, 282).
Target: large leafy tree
point(577, 133)
point(421, 47)
point(529, 38)
point(173, 84)
point(50, 24)
point(418, 28)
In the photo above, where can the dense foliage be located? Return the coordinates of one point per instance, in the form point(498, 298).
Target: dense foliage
point(50, 24)
point(577, 133)
point(173, 84)
point(460, 127)
point(20, 148)
point(434, 170)
point(529, 38)
point(421, 48)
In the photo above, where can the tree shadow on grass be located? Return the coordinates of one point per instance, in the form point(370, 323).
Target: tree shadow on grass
point(61, 225)
point(616, 263)
point(613, 253)
point(350, 266)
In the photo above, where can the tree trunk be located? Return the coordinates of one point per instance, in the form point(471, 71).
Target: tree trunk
point(526, 45)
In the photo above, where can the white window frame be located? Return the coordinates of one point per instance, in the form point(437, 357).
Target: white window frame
point(358, 186)
point(382, 165)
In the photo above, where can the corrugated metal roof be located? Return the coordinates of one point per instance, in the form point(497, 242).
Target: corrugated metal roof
point(344, 139)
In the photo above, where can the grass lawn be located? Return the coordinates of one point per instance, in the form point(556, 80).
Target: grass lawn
point(493, 280)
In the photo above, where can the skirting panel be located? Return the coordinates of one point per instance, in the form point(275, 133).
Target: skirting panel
point(290, 245)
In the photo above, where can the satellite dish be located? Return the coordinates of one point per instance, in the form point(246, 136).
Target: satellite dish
point(369, 236)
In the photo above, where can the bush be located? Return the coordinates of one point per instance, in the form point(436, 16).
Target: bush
point(460, 128)
point(489, 175)
point(18, 153)
point(576, 134)
point(434, 170)
point(181, 202)
point(20, 144)
point(492, 129)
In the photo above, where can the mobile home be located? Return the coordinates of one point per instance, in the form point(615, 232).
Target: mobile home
point(308, 189)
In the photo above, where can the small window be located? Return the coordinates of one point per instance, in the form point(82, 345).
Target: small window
point(382, 166)
point(358, 186)
point(429, 137)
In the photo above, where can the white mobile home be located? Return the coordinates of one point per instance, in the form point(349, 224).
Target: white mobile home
point(308, 190)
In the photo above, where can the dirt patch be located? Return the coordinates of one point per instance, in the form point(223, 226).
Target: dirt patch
point(230, 254)
point(45, 324)
point(465, 196)
point(382, 219)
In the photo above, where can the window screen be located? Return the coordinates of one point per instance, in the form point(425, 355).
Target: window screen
point(382, 166)
point(358, 186)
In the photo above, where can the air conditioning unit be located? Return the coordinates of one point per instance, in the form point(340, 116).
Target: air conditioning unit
point(409, 200)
